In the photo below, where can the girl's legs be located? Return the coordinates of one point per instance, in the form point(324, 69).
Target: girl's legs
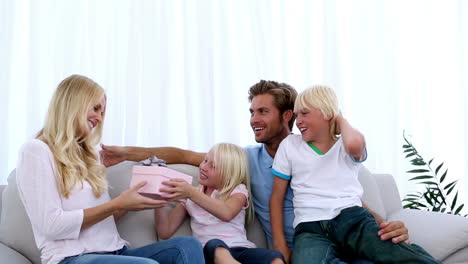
point(179, 250)
point(216, 251)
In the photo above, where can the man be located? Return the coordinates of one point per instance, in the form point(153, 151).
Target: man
point(271, 119)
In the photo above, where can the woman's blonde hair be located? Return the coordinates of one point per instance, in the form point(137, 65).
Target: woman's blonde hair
point(324, 99)
point(232, 164)
point(76, 159)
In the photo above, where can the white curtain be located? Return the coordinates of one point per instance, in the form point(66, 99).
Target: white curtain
point(177, 72)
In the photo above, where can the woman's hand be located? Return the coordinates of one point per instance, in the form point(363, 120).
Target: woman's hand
point(131, 200)
point(177, 189)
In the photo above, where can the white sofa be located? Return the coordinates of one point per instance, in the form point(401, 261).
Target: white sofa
point(444, 236)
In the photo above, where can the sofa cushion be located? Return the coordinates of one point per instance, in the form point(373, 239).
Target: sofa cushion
point(371, 195)
point(15, 228)
point(439, 234)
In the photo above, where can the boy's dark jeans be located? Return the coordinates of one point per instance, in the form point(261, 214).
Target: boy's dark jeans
point(353, 233)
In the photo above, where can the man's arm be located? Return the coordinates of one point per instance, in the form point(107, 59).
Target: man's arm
point(112, 155)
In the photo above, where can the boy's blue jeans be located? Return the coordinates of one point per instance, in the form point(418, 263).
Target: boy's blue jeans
point(179, 250)
point(352, 234)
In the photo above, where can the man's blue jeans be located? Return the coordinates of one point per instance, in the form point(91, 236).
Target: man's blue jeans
point(352, 234)
point(179, 250)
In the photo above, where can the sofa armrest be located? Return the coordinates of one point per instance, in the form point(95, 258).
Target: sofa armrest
point(10, 256)
point(440, 234)
point(2, 187)
point(389, 193)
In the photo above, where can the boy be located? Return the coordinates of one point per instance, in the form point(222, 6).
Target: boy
point(330, 220)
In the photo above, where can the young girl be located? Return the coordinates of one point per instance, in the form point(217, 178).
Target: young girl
point(217, 209)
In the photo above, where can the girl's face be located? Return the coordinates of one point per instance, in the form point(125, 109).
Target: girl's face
point(208, 175)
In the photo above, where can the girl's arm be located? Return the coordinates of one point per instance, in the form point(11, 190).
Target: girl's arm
point(167, 223)
point(280, 186)
point(353, 141)
point(225, 210)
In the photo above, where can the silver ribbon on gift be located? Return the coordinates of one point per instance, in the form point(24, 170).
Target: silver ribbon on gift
point(153, 161)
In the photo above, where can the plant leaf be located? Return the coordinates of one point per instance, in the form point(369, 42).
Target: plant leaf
point(454, 202)
point(450, 190)
point(438, 168)
point(418, 171)
point(430, 161)
point(443, 176)
point(450, 184)
point(411, 154)
point(422, 177)
point(457, 212)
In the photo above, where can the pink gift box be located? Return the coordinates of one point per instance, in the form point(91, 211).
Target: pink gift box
point(154, 176)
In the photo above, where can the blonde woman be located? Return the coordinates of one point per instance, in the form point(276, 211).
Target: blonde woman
point(217, 209)
point(64, 189)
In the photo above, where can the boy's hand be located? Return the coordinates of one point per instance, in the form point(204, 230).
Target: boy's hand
point(338, 120)
point(395, 230)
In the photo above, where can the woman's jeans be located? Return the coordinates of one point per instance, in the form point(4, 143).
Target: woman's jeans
point(179, 250)
point(353, 233)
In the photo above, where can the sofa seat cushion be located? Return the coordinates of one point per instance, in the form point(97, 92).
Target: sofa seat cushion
point(439, 234)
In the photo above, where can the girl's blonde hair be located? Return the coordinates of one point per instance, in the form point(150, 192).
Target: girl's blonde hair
point(324, 99)
point(232, 165)
point(75, 157)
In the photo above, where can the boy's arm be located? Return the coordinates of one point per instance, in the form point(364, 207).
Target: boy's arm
point(111, 155)
point(167, 223)
point(280, 186)
point(394, 230)
point(225, 210)
point(353, 140)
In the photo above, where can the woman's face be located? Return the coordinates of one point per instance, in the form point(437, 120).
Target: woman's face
point(95, 114)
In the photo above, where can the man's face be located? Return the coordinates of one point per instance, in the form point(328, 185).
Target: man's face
point(265, 119)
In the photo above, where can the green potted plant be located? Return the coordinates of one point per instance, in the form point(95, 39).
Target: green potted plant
point(438, 195)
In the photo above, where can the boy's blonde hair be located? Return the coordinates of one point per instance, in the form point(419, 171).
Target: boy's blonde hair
point(231, 164)
point(324, 99)
point(75, 157)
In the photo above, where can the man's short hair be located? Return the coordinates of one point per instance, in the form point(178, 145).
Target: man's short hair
point(284, 95)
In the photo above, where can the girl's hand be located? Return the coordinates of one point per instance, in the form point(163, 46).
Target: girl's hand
point(177, 189)
point(131, 200)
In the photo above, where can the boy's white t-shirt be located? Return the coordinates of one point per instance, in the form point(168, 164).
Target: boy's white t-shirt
point(323, 185)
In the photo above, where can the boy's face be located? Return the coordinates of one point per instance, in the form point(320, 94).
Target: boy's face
point(265, 119)
point(312, 124)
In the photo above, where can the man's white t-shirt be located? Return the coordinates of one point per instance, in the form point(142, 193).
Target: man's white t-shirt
point(323, 184)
